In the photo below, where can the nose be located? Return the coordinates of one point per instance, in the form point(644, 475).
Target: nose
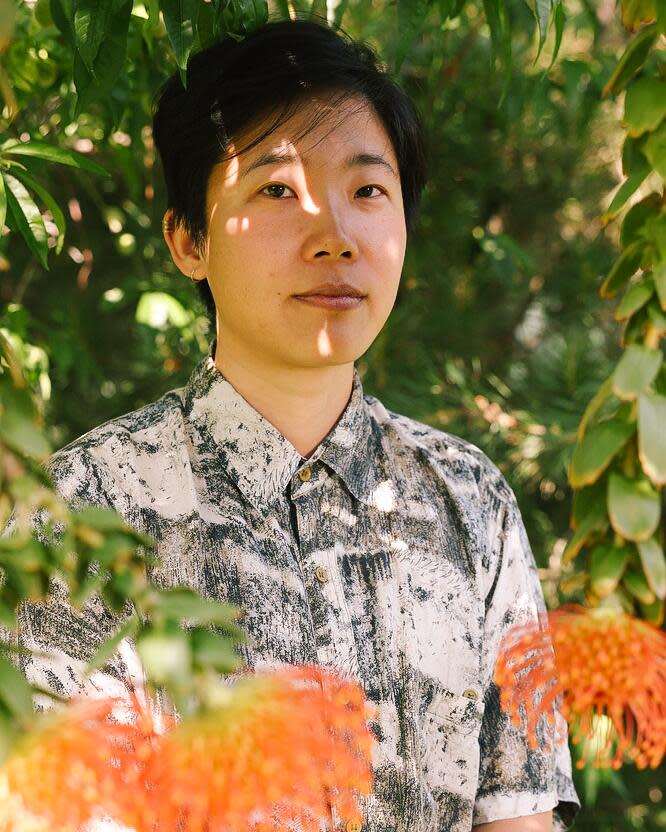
point(328, 237)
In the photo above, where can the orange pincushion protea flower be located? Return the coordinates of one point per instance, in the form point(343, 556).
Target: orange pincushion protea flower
point(286, 745)
point(591, 663)
point(289, 744)
point(82, 763)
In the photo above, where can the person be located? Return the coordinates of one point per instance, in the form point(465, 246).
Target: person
point(350, 535)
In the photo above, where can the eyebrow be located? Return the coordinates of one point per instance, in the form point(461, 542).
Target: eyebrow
point(287, 158)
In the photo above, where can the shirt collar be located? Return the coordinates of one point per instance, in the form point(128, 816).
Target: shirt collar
point(256, 456)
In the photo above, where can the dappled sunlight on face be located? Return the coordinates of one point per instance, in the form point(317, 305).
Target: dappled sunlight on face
point(297, 213)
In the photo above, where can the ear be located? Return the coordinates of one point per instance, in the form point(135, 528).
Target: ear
point(183, 251)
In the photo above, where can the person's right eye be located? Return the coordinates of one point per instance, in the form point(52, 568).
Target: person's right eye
point(277, 191)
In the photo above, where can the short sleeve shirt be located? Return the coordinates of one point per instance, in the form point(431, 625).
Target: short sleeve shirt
point(394, 554)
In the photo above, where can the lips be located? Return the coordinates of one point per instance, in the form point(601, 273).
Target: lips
point(333, 290)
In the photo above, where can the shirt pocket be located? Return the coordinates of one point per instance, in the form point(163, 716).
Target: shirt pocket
point(452, 728)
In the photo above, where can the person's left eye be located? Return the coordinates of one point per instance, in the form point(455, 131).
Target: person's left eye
point(277, 190)
point(366, 191)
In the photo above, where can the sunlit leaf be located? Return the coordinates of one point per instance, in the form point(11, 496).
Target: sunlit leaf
point(654, 565)
point(180, 19)
point(166, 657)
point(636, 218)
point(655, 150)
point(15, 692)
point(644, 105)
point(652, 436)
point(633, 506)
point(59, 155)
point(636, 371)
point(589, 527)
point(158, 310)
point(50, 202)
point(595, 451)
point(27, 218)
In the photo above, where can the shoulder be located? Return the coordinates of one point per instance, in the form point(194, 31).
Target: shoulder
point(409, 440)
point(95, 467)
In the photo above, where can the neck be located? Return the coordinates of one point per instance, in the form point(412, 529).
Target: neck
point(303, 403)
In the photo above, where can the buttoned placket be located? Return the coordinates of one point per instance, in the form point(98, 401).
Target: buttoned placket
point(321, 578)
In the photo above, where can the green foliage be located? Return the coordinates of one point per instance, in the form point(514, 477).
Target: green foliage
point(497, 335)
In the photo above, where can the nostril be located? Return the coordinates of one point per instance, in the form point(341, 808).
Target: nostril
point(346, 254)
point(321, 254)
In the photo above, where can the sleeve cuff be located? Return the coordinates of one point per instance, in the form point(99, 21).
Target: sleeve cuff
point(515, 805)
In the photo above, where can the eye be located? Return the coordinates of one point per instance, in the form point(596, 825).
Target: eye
point(366, 192)
point(276, 190)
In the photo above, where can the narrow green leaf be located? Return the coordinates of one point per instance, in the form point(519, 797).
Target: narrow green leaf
point(27, 218)
point(15, 692)
point(654, 565)
point(595, 451)
point(559, 20)
point(627, 189)
point(50, 203)
point(637, 585)
point(182, 604)
point(655, 150)
point(644, 105)
point(631, 61)
point(636, 371)
point(340, 10)
point(128, 630)
point(607, 565)
point(636, 219)
point(589, 526)
point(594, 406)
point(51, 153)
point(90, 24)
point(3, 202)
point(657, 317)
point(652, 436)
point(633, 507)
point(411, 18)
point(180, 19)
point(634, 299)
point(659, 277)
point(623, 269)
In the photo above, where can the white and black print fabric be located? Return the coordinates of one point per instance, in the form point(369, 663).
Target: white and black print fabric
point(395, 553)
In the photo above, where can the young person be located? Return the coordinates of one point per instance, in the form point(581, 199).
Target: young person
point(350, 535)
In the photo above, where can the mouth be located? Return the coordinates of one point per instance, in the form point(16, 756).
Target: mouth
point(333, 296)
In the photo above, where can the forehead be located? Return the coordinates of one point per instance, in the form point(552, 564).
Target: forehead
point(320, 129)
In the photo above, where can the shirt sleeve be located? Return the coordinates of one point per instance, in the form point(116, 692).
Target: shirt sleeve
point(515, 780)
point(67, 638)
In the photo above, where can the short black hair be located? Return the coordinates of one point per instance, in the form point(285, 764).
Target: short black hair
point(233, 85)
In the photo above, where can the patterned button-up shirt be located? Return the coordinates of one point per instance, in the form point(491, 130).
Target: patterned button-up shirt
point(394, 553)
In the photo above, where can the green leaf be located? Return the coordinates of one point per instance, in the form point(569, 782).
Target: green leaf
point(592, 524)
point(22, 435)
point(182, 604)
point(631, 61)
point(166, 657)
point(634, 299)
point(607, 565)
point(636, 218)
point(654, 565)
point(15, 692)
point(659, 277)
point(633, 507)
point(500, 39)
point(411, 18)
point(654, 613)
point(657, 317)
point(626, 189)
point(50, 203)
point(559, 20)
point(3, 202)
point(158, 310)
point(594, 406)
point(90, 23)
point(623, 269)
point(51, 153)
point(637, 585)
point(636, 371)
point(655, 150)
point(180, 19)
point(102, 655)
point(652, 436)
point(101, 519)
point(212, 650)
point(635, 12)
point(644, 105)
point(27, 218)
point(595, 451)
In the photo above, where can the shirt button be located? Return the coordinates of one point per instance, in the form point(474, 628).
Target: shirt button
point(305, 474)
point(321, 574)
point(353, 826)
point(470, 693)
